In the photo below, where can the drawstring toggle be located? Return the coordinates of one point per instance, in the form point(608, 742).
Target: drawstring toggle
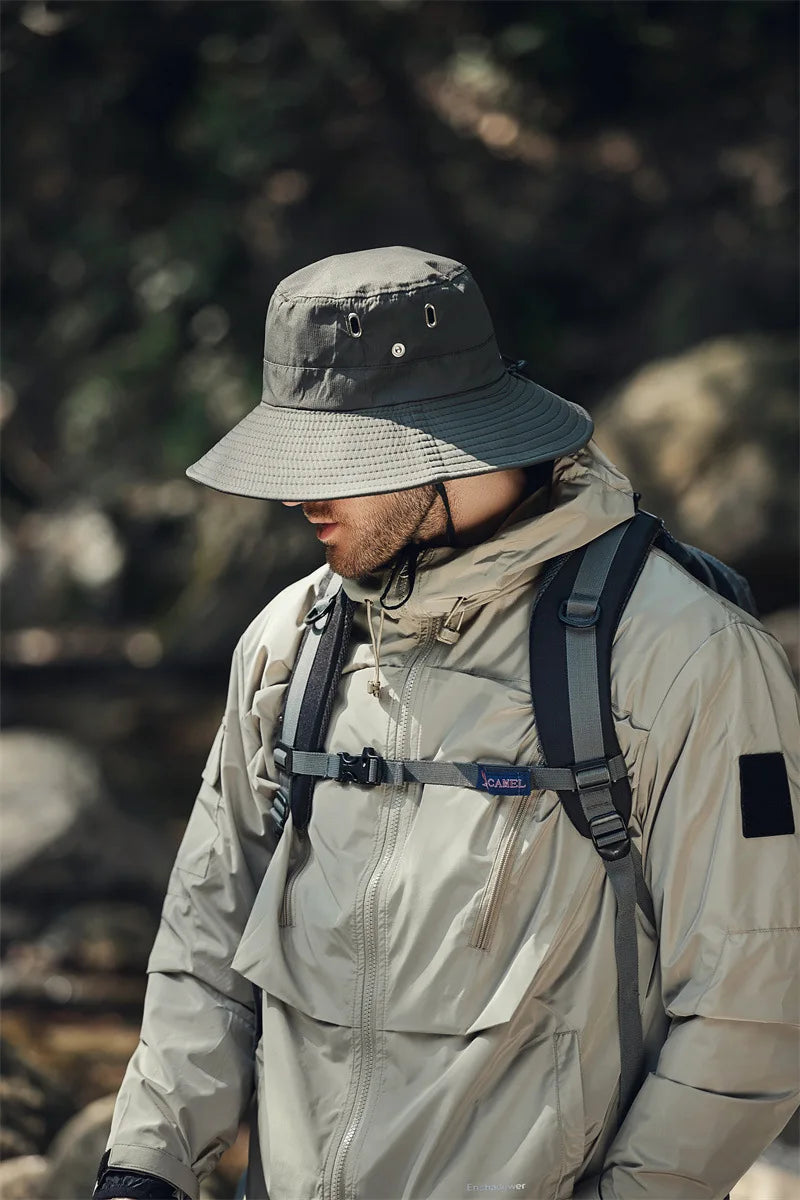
point(374, 685)
point(451, 630)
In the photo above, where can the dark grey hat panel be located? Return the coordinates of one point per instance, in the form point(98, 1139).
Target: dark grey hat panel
point(369, 273)
point(316, 332)
point(354, 389)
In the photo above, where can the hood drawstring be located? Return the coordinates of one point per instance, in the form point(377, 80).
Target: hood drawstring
point(406, 560)
point(374, 685)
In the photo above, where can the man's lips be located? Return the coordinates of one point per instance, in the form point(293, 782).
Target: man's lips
point(324, 528)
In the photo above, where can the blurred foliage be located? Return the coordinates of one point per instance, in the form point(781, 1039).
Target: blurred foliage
point(620, 177)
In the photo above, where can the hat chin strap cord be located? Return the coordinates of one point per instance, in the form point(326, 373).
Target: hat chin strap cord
point(451, 533)
point(408, 555)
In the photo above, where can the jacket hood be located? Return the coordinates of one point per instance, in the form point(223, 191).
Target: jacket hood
point(588, 496)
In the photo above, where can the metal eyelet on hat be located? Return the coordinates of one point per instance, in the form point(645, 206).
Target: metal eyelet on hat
point(398, 349)
point(354, 324)
point(430, 316)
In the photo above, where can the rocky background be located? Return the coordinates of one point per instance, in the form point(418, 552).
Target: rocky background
point(621, 178)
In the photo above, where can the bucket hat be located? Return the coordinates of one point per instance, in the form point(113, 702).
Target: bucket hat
point(382, 372)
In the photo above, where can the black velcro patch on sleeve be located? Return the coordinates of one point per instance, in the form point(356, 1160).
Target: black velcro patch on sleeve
point(766, 804)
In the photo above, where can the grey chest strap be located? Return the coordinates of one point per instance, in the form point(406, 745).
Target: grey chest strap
point(370, 769)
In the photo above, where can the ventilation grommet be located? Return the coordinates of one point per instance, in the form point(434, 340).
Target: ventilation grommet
point(354, 325)
point(430, 316)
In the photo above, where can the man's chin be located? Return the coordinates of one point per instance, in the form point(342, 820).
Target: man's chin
point(340, 564)
point(357, 571)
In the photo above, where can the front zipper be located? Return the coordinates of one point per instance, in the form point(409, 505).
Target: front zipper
point(367, 1025)
point(492, 898)
point(295, 868)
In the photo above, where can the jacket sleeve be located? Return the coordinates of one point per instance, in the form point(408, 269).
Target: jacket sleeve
point(190, 1079)
point(722, 860)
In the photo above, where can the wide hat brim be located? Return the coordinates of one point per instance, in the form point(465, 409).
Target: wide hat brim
point(282, 453)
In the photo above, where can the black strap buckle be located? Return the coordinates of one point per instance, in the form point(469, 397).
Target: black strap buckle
point(610, 836)
point(592, 774)
point(322, 608)
point(363, 768)
point(282, 756)
point(279, 811)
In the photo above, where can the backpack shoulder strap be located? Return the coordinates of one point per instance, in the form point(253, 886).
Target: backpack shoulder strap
point(309, 697)
point(573, 622)
point(574, 619)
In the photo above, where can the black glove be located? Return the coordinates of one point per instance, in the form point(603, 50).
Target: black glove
point(115, 1182)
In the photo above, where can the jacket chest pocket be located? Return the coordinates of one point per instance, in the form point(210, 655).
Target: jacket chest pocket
point(299, 858)
point(570, 1112)
point(520, 811)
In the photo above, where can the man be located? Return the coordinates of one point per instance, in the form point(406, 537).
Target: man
point(436, 965)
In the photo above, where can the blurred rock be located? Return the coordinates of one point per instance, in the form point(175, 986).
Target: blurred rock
point(92, 956)
point(26, 980)
point(24, 1178)
point(789, 1138)
point(23, 1107)
point(785, 625)
point(60, 563)
point(33, 1106)
point(62, 839)
point(17, 924)
point(766, 1182)
point(84, 1052)
point(710, 440)
point(105, 937)
point(8, 552)
point(76, 1151)
point(47, 783)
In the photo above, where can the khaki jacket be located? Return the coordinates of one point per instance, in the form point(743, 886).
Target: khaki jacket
point(437, 964)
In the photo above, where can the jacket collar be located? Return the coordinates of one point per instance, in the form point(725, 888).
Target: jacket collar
point(589, 495)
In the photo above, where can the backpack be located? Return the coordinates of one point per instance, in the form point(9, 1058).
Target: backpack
point(579, 600)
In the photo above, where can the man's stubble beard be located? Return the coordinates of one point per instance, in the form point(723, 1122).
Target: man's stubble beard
point(399, 517)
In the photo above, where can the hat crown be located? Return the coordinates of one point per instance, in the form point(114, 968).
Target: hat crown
point(374, 327)
point(362, 273)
